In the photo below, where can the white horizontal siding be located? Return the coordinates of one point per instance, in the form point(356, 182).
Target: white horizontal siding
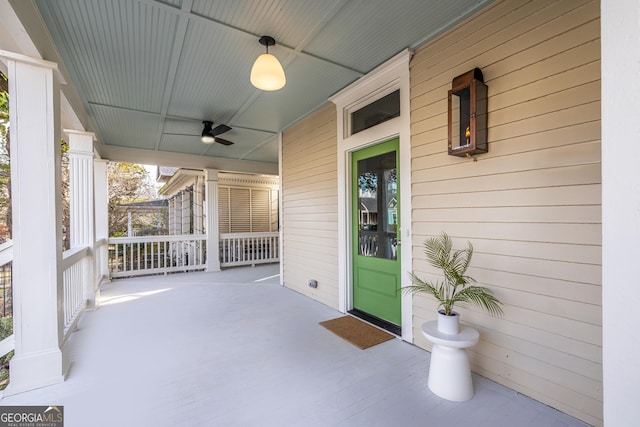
point(309, 206)
point(532, 205)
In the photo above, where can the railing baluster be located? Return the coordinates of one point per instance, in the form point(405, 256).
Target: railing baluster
point(248, 248)
point(124, 257)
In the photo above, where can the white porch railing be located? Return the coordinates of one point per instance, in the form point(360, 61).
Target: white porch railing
point(102, 260)
point(248, 248)
point(135, 256)
point(75, 265)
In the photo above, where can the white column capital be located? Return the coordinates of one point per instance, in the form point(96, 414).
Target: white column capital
point(37, 62)
point(80, 132)
point(81, 143)
point(211, 174)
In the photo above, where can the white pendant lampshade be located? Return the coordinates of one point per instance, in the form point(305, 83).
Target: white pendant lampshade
point(267, 73)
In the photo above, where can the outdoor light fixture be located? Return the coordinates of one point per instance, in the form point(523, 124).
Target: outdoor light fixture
point(210, 133)
point(207, 136)
point(468, 115)
point(267, 73)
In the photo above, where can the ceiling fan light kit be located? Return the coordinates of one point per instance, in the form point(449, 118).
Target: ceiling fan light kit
point(267, 72)
point(209, 133)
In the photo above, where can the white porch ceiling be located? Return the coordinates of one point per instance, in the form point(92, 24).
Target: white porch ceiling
point(147, 72)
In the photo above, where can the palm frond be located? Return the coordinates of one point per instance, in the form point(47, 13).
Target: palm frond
point(437, 250)
point(481, 297)
point(436, 289)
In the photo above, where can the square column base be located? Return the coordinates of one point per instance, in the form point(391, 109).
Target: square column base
point(36, 370)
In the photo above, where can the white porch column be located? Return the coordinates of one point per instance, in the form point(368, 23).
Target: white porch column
point(129, 224)
point(211, 211)
point(620, 26)
point(185, 224)
point(177, 214)
point(170, 219)
point(34, 97)
point(81, 202)
point(198, 197)
point(101, 206)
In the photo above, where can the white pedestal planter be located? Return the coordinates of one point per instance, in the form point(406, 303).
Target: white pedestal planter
point(449, 370)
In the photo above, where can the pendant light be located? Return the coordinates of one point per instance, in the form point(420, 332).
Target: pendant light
point(267, 73)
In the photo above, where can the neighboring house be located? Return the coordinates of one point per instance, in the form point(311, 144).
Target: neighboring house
point(246, 203)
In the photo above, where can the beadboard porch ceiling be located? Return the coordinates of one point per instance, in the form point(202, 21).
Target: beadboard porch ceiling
point(144, 74)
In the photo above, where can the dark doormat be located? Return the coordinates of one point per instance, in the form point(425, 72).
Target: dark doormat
point(357, 332)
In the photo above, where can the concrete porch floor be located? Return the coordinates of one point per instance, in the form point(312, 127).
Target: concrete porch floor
point(235, 348)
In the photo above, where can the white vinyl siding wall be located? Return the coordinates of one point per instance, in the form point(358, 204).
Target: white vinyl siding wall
point(532, 205)
point(309, 206)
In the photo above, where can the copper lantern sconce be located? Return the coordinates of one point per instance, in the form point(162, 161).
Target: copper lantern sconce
point(468, 115)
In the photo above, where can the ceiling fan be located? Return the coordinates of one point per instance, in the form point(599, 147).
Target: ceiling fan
point(210, 133)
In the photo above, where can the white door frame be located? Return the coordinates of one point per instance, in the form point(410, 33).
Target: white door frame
point(389, 77)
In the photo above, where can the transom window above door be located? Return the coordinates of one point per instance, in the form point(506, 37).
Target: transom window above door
point(378, 111)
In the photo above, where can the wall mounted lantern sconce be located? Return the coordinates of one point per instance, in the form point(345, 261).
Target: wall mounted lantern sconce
point(468, 115)
point(267, 73)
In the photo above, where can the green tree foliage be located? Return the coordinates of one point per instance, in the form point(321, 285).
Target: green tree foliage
point(5, 171)
point(128, 183)
point(66, 205)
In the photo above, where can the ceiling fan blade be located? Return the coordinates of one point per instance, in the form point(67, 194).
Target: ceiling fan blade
point(220, 129)
point(223, 141)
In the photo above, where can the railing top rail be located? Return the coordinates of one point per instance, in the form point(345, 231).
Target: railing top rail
point(6, 252)
point(102, 241)
point(143, 239)
point(249, 235)
point(6, 245)
point(73, 255)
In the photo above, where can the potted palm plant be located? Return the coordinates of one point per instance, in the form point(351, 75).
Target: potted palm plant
point(456, 286)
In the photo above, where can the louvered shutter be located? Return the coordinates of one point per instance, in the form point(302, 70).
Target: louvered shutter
point(240, 220)
point(224, 206)
point(260, 217)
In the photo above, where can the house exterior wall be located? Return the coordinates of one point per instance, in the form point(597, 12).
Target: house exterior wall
point(309, 206)
point(532, 205)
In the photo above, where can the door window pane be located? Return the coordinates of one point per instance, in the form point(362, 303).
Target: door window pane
point(377, 206)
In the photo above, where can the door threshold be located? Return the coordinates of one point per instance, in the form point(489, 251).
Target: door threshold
point(381, 323)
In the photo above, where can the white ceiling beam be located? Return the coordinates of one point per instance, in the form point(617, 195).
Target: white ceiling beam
point(176, 53)
point(163, 158)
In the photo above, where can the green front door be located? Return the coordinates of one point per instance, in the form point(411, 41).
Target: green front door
point(375, 225)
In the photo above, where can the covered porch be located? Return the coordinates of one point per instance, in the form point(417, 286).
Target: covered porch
point(236, 348)
point(553, 207)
